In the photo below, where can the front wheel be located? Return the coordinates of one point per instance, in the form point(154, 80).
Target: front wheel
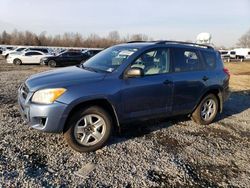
point(206, 111)
point(88, 129)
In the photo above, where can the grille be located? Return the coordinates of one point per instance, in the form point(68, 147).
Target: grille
point(24, 91)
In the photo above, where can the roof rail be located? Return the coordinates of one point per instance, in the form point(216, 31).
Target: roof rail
point(188, 43)
point(135, 41)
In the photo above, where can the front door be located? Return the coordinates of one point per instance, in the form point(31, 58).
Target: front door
point(151, 94)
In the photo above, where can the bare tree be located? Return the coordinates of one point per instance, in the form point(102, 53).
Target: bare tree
point(6, 38)
point(114, 36)
point(139, 37)
point(67, 39)
point(244, 40)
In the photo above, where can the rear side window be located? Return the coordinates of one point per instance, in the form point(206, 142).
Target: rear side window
point(186, 60)
point(210, 59)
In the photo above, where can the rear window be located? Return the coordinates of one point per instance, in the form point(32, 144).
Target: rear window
point(210, 59)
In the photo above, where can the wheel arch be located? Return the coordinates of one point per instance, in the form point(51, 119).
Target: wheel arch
point(217, 91)
point(17, 59)
point(103, 103)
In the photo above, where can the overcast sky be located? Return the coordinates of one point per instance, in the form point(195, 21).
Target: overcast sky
point(226, 20)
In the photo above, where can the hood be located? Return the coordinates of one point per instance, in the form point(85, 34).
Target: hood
point(62, 77)
point(48, 55)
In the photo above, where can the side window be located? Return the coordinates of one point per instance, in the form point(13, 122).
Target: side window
point(32, 53)
point(75, 54)
point(28, 54)
point(44, 51)
point(210, 59)
point(71, 54)
point(66, 54)
point(36, 53)
point(153, 62)
point(186, 60)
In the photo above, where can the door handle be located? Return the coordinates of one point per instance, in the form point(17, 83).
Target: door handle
point(167, 82)
point(205, 78)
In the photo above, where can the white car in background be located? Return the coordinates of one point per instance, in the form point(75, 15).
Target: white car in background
point(7, 52)
point(26, 57)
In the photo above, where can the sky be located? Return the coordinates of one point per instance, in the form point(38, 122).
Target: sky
point(226, 20)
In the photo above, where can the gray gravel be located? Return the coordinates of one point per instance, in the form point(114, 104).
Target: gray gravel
point(168, 153)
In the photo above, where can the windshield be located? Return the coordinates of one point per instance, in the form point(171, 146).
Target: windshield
point(109, 59)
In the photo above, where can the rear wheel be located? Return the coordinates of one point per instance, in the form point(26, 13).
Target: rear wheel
point(88, 129)
point(206, 111)
point(17, 62)
point(52, 63)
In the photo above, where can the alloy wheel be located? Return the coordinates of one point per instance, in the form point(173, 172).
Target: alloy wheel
point(90, 129)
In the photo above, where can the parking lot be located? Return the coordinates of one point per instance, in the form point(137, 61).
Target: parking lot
point(163, 153)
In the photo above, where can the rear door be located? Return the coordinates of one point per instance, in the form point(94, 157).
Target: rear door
point(189, 79)
point(36, 57)
point(29, 57)
point(151, 94)
point(64, 59)
point(75, 58)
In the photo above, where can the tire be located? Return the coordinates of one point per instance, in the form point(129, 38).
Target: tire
point(91, 135)
point(17, 62)
point(52, 63)
point(206, 111)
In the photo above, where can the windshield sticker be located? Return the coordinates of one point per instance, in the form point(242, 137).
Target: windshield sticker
point(110, 69)
point(126, 53)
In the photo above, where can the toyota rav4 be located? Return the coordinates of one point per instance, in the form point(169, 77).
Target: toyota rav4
point(126, 83)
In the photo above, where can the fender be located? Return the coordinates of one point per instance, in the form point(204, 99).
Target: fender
point(217, 91)
point(92, 100)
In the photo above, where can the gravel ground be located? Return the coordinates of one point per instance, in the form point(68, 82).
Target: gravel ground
point(168, 153)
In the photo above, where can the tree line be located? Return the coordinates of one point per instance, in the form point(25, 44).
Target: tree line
point(77, 40)
point(67, 39)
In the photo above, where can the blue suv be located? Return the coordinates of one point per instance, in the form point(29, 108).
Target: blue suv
point(125, 83)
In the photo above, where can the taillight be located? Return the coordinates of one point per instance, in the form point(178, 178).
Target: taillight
point(226, 71)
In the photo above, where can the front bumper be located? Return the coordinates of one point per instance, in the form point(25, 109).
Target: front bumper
point(9, 60)
point(43, 117)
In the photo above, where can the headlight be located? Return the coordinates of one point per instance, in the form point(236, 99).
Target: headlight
point(47, 96)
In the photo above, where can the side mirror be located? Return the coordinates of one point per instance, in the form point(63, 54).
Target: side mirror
point(134, 72)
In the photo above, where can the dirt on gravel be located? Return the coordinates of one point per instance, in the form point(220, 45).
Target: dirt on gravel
point(172, 152)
